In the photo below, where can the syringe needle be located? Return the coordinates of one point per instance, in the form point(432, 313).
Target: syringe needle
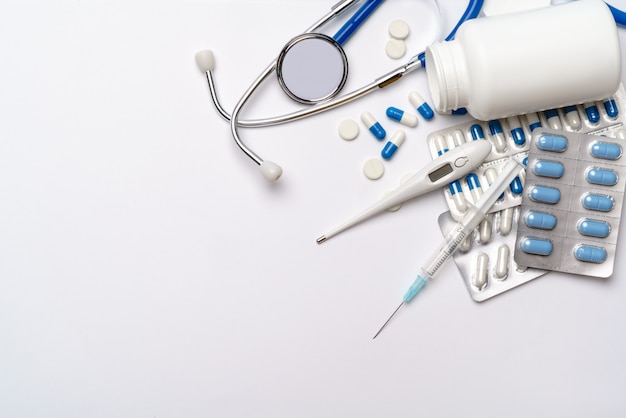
point(389, 319)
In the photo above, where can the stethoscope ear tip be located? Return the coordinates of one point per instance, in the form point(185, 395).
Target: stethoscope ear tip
point(271, 171)
point(205, 60)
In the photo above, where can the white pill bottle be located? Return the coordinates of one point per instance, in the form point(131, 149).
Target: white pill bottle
point(526, 62)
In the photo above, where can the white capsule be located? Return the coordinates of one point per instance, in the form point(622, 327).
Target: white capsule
point(465, 245)
point(479, 279)
point(457, 137)
point(506, 220)
point(621, 134)
point(502, 262)
point(485, 229)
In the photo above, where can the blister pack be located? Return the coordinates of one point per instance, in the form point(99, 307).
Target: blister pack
point(485, 259)
point(508, 137)
point(572, 204)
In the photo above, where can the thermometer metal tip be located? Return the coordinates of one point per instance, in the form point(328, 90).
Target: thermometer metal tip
point(321, 239)
point(388, 319)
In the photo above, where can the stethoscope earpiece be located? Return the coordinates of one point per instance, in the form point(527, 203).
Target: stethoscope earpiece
point(205, 60)
point(271, 171)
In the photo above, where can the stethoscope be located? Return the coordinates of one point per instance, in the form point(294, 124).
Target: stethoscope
point(320, 61)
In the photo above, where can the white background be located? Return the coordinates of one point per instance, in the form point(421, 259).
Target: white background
point(147, 270)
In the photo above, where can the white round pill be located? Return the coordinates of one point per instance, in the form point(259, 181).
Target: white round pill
point(395, 48)
point(399, 29)
point(373, 169)
point(348, 129)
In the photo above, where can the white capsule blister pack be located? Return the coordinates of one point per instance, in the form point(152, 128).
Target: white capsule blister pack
point(572, 203)
point(485, 259)
point(481, 260)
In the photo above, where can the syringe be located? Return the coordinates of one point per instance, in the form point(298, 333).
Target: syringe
point(476, 213)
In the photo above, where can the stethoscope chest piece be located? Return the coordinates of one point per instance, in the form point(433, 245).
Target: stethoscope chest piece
point(311, 68)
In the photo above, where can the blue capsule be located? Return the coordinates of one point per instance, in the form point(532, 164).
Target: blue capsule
point(373, 125)
point(590, 254)
point(593, 228)
point(422, 107)
point(550, 142)
point(611, 108)
point(606, 150)
point(517, 132)
point(598, 202)
point(540, 220)
point(604, 177)
point(543, 194)
point(592, 112)
point(552, 169)
point(477, 132)
point(536, 246)
point(495, 127)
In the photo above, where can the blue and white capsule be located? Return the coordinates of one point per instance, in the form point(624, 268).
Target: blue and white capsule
point(572, 117)
point(499, 141)
point(401, 116)
point(553, 119)
point(421, 105)
point(533, 121)
point(373, 125)
point(517, 132)
point(476, 131)
point(592, 112)
point(395, 142)
point(611, 108)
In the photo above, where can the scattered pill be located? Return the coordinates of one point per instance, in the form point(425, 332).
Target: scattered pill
point(348, 129)
point(495, 128)
point(572, 117)
point(611, 108)
point(479, 279)
point(399, 29)
point(373, 125)
point(422, 107)
point(550, 142)
point(590, 254)
point(552, 169)
point(533, 121)
point(592, 112)
point(401, 116)
point(476, 131)
point(540, 220)
point(373, 169)
point(606, 150)
point(517, 132)
point(552, 117)
point(502, 262)
point(536, 246)
point(604, 177)
point(395, 48)
point(506, 220)
point(396, 141)
point(544, 194)
point(598, 202)
point(594, 228)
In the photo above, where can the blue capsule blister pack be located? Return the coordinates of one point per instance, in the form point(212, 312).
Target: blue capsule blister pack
point(572, 203)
